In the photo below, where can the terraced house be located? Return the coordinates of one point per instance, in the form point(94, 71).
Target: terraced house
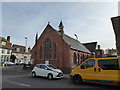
point(55, 47)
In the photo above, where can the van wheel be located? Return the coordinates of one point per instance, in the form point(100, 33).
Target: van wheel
point(77, 79)
point(50, 76)
point(33, 74)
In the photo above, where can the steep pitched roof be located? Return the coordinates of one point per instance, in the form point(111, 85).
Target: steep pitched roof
point(91, 46)
point(75, 44)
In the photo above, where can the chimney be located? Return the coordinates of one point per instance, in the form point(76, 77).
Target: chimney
point(98, 47)
point(8, 38)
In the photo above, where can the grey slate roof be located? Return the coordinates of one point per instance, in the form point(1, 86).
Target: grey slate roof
point(90, 46)
point(75, 44)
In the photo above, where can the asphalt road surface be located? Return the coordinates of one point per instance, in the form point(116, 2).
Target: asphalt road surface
point(16, 77)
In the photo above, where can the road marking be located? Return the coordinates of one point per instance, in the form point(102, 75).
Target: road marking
point(21, 84)
point(24, 85)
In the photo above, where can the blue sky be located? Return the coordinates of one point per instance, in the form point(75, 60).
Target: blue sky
point(89, 20)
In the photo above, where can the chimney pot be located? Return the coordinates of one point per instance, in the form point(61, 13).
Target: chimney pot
point(8, 38)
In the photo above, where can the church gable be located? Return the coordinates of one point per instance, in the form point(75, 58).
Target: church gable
point(49, 32)
point(49, 43)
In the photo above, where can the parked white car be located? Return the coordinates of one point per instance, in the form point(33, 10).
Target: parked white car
point(48, 71)
point(8, 63)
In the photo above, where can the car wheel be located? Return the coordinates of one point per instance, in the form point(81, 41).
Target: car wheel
point(50, 76)
point(77, 79)
point(33, 74)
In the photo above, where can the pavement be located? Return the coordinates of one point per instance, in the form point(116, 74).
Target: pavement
point(67, 76)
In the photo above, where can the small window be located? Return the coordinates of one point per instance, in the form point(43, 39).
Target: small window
point(8, 52)
point(3, 51)
point(109, 64)
point(88, 64)
point(18, 49)
point(4, 43)
point(75, 58)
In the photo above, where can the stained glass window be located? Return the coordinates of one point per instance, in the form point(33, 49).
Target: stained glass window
point(47, 49)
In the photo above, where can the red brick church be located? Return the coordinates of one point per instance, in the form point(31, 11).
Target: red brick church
point(56, 48)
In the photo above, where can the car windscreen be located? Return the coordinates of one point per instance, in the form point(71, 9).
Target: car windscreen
point(51, 66)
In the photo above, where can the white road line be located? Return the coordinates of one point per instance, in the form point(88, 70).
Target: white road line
point(21, 84)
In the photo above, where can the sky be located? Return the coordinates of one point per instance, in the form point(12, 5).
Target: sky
point(89, 20)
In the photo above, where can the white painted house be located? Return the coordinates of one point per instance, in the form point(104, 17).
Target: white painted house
point(22, 55)
point(5, 49)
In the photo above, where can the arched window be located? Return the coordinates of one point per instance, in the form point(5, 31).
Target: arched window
point(47, 49)
point(78, 58)
point(55, 50)
point(75, 58)
point(40, 52)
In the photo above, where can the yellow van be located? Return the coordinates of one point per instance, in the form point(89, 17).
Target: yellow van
point(98, 70)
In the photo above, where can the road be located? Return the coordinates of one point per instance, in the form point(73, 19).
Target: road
point(16, 77)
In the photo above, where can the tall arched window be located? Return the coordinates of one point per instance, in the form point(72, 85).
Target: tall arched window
point(55, 50)
point(40, 52)
point(75, 58)
point(47, 49)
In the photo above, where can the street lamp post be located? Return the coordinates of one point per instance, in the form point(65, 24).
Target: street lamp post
point(26, 43)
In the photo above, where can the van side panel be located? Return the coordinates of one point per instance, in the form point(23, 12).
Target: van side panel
point(111, 74)
point(89, 73)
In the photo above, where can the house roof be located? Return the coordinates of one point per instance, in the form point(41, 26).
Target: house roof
point(15, 45)
point(75, 44)
point(91, 46)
